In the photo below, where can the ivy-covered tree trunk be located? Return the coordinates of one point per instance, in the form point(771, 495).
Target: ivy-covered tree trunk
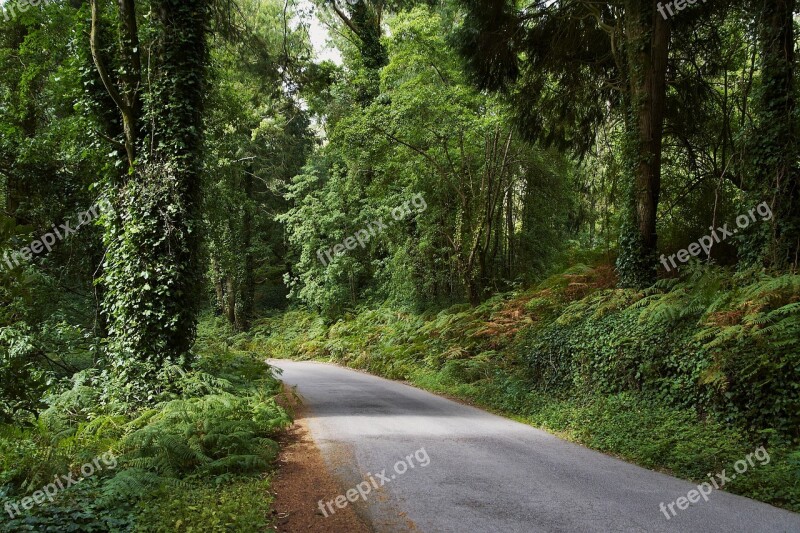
point(776, 152)
point(647, 51)
point(365, 22)
point(152, 265)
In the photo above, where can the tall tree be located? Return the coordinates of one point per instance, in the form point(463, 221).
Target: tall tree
point(646, 45)
point(565, 65)
point(152, 269)
point(777, 153)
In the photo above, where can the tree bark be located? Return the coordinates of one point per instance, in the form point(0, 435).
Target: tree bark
point(777, 171)
point(230, 301)
point(127, 99)
point(219, 288)
point(245, 312)
point(647, 41)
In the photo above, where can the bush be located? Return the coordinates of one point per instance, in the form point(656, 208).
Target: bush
point(209, 441)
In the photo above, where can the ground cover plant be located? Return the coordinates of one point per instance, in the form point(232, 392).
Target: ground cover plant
point(673, 377)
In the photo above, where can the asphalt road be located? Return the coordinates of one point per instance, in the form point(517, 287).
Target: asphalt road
point(485, 473)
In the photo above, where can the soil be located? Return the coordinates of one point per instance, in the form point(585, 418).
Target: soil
point(303, 479)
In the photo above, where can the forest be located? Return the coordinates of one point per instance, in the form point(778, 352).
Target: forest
point(584, 215)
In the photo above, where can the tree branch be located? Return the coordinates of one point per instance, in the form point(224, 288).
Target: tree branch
point(345, 19)
point(94, 40)
point(98, 63)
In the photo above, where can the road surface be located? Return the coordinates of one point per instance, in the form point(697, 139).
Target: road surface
point(485, 473)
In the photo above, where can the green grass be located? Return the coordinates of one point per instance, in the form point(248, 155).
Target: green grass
point(243, 505)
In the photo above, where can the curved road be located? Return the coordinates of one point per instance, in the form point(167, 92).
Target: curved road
point(476, 472)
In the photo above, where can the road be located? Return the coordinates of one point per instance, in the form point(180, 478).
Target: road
point(486, 473)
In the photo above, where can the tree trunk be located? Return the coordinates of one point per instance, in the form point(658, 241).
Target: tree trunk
point(364, 20)
point(219, 288)
point(509, 266)
point(245, 312)
point(230, 302)
point(776, 152)
point(152, 270)
point(647, 41)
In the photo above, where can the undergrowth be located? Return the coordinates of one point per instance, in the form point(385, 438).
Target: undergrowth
point(686, 377)
point(199, 460)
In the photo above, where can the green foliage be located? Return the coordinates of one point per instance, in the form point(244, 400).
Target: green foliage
point(208, 437)
point(671, 377)
point(428, 133)
point(701, 342)
point(23, 380)
point(45, 172)
point(78, 509)
point(257, 139)
point(240, 506)
point(217, 428)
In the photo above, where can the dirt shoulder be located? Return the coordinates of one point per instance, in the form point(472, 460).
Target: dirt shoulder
point(303, 480)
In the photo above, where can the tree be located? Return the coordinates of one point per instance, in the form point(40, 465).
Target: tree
point(647, 37)
point(152, 268)
point(581, 60)
point(495, 204)
point(776, 152)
